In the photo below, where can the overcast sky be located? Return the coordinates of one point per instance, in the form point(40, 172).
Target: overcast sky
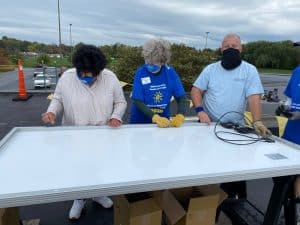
point(133, 21)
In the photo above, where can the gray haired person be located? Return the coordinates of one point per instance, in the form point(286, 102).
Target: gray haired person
point(154, 84)
point(157, 51)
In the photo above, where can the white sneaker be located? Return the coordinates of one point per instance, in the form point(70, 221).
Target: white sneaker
point(106, 202)
point(76, 209)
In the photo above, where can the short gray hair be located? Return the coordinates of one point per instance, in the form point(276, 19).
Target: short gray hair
point(157, 50)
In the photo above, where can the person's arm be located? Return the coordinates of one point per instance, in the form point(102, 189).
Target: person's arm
point(119, 102)
point(178, 91)
point(143, 108)
point(138, 95)
point(160, 121)
point(290, 93)
point(178, 119)
point(289, 90)
point(181, 104)
point(197, 99)
point(179, 94)
point(196, 96)
point(254, 89)
point(56, 105)
point(255, 109)
point(200, 86)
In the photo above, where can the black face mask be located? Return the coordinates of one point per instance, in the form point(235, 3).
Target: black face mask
point(231, 59)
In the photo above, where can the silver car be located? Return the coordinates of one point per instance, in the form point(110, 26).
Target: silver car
point(42, 81)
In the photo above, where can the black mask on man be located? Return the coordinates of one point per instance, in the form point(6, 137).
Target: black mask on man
point(231, 59)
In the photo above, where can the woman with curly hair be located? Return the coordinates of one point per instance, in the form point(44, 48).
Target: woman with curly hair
point(86, 95)
point(154, 84)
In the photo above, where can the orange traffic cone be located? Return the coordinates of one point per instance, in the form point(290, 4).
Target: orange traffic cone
point(22, 89)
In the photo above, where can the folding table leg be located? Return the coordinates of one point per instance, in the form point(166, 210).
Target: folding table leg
point(290, 205)
point(9, 216)
point(278, 196)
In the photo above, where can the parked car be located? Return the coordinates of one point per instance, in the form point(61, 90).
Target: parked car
point(42, 81)
point(41, 74)
point(38, 71)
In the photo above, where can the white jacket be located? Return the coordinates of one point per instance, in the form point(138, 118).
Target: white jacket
point(83, 105)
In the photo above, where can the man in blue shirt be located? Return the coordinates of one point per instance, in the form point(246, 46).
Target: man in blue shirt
point(292, 108)
point(226, 86)
point(154, 85)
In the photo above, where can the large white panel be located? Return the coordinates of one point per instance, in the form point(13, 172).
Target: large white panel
point(49, 164)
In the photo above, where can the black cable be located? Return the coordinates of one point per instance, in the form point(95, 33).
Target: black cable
point(237, 127)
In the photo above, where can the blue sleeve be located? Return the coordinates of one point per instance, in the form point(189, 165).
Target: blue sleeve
point(203, 79)
point(253, 82)
point(178, 90)
point(137, 92)
point(288, 89)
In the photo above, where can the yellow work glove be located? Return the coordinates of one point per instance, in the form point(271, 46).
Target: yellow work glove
point(160, 121)
point(261, 129)
point(177, 120)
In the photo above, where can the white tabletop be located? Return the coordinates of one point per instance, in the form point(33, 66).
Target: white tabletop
point(41, 164)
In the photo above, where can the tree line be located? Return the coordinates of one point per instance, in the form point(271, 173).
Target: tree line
point(187, 61)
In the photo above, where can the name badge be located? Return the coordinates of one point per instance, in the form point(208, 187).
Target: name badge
point(146, 80)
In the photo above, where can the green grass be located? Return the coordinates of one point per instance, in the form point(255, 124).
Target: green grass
point(275, 71)
point(5, 68)
point(32, 62)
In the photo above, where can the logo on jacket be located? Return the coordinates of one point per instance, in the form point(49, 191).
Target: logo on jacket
point(158, 97)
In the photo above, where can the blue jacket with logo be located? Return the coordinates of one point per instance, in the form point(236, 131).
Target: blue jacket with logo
point(156, 91)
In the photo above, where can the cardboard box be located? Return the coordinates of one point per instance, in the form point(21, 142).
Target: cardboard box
point(136, 209)
point(170, 205)
point(9, 216)
point(190, 206)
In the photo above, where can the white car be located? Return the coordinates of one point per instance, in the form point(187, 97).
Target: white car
point(41, 81)
point(38, 71)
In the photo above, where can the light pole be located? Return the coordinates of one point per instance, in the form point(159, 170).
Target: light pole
point(206, 39)
point(59, 34)
point(71, 45)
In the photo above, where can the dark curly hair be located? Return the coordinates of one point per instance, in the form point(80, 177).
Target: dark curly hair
point(89, 58)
